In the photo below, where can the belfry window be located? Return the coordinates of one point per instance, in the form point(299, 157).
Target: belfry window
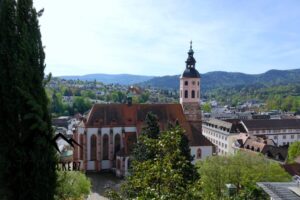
point(193, 93)
point(186, 94)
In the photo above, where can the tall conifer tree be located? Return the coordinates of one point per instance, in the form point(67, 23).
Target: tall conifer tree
point(8, 109)
point(27, 155)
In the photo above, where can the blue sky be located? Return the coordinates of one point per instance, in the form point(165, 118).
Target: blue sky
point(152, 37)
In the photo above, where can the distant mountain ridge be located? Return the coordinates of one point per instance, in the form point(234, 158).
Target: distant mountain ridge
point(212, 80)
point(123, 79)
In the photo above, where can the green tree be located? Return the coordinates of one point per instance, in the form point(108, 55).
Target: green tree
point(88, 93)
point(72, 185)
point(162, 177)
point(56, 104)
point(81, 104)
point(206, 107)
point(8, 97)
point(142, 150)
point(294, 151)
point(243, 170)
point(143, 98)
point(27, 156)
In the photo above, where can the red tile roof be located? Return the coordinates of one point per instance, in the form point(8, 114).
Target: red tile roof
point(112, 115)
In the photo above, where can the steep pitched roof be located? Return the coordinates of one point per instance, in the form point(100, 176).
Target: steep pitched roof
point(110, 115)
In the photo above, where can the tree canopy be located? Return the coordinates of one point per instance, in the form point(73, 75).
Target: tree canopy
point(72, 185)
point(294, 151)
point(242, 170)
point(163, 176)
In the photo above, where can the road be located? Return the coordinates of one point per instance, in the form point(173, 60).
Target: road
point(100, 182)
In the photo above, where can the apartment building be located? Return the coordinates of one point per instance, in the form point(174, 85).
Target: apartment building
point(222, 134)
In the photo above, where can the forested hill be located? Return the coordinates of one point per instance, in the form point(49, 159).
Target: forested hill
point(123, 79)
point(217, 79)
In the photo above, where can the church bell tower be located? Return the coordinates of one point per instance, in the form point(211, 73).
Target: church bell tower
point(190, 89)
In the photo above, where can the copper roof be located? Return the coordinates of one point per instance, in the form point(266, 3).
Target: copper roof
point(113, 115)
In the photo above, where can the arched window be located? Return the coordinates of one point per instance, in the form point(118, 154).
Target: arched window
point(118, 164)
point(193, 93)
point(128, 164)
point(117, 143)
point(81, 149)
point(105, 148)
point(186, 95)
point(93, 149)
point(199, 153)
point(186, 83)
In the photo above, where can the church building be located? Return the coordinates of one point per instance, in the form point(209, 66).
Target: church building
point(109, 131)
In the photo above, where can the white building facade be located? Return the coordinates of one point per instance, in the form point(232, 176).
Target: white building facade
point(281, 131)
point(222, 134)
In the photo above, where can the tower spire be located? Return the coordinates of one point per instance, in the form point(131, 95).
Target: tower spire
point(190, 62)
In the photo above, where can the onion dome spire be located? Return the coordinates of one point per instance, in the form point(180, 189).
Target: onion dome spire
point(190, 70)
point(190, 62)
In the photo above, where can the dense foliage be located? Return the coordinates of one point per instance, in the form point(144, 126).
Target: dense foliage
point(72, 185)
point(242, 170)
point(27, 156)
point(142, 151)
point(294, 151)
point(167, 173)
point(279, 97)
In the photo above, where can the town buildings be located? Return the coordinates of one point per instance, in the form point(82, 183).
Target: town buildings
point(109, 131)
point(260, 145)
point(282, 131)
point(222, 134)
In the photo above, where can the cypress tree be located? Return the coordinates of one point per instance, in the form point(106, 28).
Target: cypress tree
point(28, 157)
point(141, 151)
point(152, 128)
point(189, 170)
point(8, 118)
